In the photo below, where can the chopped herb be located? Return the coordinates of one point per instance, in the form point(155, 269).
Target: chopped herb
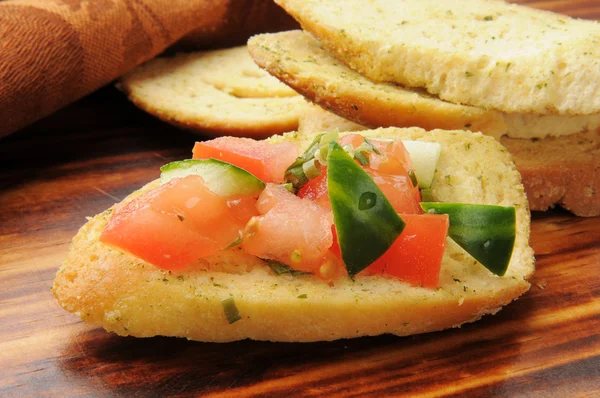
point(234, 243)
point(289, 187)
point(311, 169)
point(507, 66)
point(413, 177)
point(373, 148)
point(488, 18)
point(302, 296)
point(468, 125)
point(295, 173)
point(231, 311)
point(280, 268)
point(468, 74)
point(362, 158)
point(355, 107)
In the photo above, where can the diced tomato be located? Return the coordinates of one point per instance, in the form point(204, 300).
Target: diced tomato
point(266, 161)
point(316, 189)
point(293, 231)
point(398, 189)
point(416, 256)
point(178, 222)
point(393, 158)
point(270, 196)
point(355, 140)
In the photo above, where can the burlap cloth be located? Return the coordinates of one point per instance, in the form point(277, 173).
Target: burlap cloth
point(53, 52)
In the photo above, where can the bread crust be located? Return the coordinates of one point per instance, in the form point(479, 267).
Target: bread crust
point(128, 296)
point(485, 53)
point(220, 92)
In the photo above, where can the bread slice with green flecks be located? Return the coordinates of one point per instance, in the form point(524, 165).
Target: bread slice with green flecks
point(486, 53)
point(218, 92)
point(111, 288)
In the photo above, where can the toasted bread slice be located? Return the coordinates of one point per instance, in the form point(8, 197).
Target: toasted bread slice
point(299, 60)
point(214, 92)
point(316, 119)
point(485, 53)
point(232, 71)
point(561, 171)
point(556, 171)
point(125, 295)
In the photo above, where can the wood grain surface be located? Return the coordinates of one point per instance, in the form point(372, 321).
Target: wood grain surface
point(83, 159)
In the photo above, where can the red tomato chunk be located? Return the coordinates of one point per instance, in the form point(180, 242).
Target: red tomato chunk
point(416, 256)
point(291, 230)
point(266, 161)
point(178, 222)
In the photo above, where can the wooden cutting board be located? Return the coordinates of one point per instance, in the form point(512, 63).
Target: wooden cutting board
point(87, 157)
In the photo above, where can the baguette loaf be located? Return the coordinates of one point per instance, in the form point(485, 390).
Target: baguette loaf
point(218, 92)
point(299, 60)
point(125, 295)
point(485, 53)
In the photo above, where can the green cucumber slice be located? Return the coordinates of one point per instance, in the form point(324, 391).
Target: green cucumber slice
point(365, 221)
point(222, 178)
point(424, 156)
point(486, 232)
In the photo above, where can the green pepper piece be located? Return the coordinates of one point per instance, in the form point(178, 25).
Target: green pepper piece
point(486, 232)
point(365, 221)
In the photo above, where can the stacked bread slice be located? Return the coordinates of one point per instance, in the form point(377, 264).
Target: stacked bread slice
point(530, 78)
point(216, 92)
